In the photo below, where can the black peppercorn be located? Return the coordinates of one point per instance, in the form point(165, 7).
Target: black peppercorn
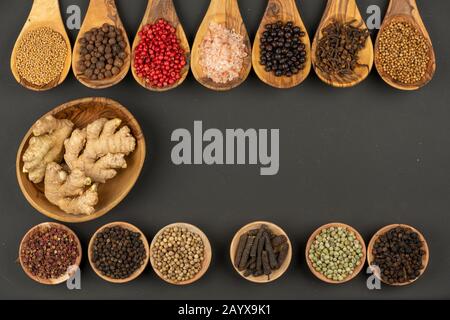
point(399, 255)
point(118, 252)
point(280, 45)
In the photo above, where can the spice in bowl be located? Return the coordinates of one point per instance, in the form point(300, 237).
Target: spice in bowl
point(403, 52)
point(179, 254)
point(338, 49)
point(118, 252)
point(222, 53)
point(159, 57)
point(261, 252)
point(102, 52)
point(282, 51)
point(48, 251)
point(399, 254)
point(41, 55)
point(336, 253)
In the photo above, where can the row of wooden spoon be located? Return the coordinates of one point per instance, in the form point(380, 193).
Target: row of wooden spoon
point(226, 12)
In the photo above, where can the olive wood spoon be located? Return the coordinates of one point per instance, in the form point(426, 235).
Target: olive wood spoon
point(281, 10)
point(165, 9)
point(227, 13)
point(44, 13)
point(100, 12)
point(344, 11)
point(406, 10)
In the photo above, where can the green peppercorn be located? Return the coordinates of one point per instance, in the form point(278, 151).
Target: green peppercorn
point(335, 253)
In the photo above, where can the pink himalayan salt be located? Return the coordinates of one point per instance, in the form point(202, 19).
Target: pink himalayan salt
point(222, 53)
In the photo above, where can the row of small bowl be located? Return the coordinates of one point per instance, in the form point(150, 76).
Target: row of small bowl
point(367, 254)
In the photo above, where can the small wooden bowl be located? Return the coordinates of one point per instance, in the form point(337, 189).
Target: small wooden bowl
point(127, 226)
point(381, 232)
point(47, 225)
point(276, 230)
point(82, 112)
point(311, 240)
point(207, 253)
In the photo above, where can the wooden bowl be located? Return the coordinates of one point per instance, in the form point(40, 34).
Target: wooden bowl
point(311, 240)
point(275, 273)
point(207, 253)
point(47, 225)
point(83, 112)
point(382, 231)
point(127, 226)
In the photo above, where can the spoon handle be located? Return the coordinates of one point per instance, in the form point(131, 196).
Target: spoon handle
point(161, 9)
point(341, 7)
point(105, 8)
point(401, 7)
point(44, 8)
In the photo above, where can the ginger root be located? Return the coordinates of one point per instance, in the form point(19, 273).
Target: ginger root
point(45, 146)
point(70, 192)
point(99, 149)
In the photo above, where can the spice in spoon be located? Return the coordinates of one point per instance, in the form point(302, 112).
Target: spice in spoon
point(282, 51)
point(102, 52)
point(159, 57)
point(222, 53)
point(41, 55)
point(403, 52)
point(337, 53)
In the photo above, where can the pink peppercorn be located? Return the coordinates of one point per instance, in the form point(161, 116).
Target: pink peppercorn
point(159, 58)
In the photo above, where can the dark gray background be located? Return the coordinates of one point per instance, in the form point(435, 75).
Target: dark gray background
point(368, 156)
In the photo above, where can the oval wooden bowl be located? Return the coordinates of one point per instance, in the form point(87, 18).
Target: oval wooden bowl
point(382, 231)
point(100, 12)
point(82, 112)
point(44, 13)
point(227, 13)
point(311, 240)
point(164, 9)
point(207, 253)
point(344, 11)
point(281, 10)
point(406, 11)
point(275, 273)
point(47, 225)
point(127, 226)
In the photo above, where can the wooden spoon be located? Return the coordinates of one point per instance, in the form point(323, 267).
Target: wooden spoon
point(406, 10)
point(165, 9)
point(98, 13)
point(126, 226)
point(224, 12)
point(344, 11)
point(384, 230)
point(44, 13)
point(281, 10)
